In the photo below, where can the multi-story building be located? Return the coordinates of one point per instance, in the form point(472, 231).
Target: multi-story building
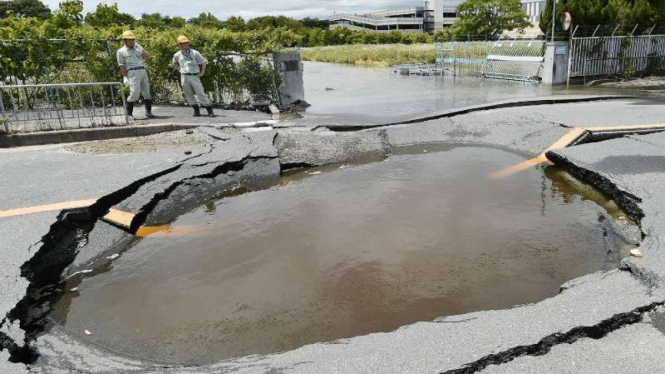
point(533, 9)
point(433, 16)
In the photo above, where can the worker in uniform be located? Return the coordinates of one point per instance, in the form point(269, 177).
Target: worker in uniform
point(131, 60)
point(192, 65)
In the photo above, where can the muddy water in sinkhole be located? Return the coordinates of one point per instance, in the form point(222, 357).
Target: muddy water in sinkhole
point(326, 255)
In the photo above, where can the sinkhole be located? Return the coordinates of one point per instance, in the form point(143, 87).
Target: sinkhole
point(345, 250)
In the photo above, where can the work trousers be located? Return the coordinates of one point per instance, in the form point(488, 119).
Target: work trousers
point(193, 88)
point(139, 84)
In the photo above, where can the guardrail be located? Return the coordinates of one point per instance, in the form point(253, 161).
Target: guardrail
point(25, 108)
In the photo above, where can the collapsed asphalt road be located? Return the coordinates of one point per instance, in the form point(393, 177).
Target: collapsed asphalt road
point(155, 187)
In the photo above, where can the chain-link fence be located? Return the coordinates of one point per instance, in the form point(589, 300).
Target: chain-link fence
point(515, 60)
point(504, 59)
point(462, 58)
point(25, 108)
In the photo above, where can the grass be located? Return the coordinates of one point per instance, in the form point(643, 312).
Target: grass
point(374, 55)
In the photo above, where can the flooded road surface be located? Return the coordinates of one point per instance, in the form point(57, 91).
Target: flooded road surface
point(328, 255)
point(377, 95)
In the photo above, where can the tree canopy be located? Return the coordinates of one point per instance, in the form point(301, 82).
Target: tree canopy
point(24, 8)
point(607, 12)
point(489, 18)
point(158, 21)
point(108, 15)
point(207, 20)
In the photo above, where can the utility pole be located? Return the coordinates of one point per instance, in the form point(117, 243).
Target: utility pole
point(553, 19)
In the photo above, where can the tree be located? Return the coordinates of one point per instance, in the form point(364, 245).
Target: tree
point(546, 19)
point(489, 18)
point(235, 24)
point(24, 8)
point(207, 20)
point(70, 14)
point(178, 22)
point(606, 13)
point(108, 15)
point(272, 22)
point(315, 23)
point(153, 21)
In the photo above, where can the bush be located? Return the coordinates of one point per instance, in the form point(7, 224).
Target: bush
point(85, 54)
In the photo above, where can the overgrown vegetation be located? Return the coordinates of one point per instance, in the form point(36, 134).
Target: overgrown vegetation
point(610, 13)
point(65, 48)
point(373, 55)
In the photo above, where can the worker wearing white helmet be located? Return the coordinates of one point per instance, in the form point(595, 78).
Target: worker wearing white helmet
point(131, 60)
point(192, 66)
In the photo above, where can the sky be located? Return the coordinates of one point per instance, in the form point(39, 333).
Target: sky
point(247, 8)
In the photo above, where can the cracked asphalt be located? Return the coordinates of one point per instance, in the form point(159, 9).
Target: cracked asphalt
point(603, 322)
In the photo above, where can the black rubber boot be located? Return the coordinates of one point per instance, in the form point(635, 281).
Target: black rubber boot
point(197, 111)
point(130, 109)
point(148, 109)
point(210, 112)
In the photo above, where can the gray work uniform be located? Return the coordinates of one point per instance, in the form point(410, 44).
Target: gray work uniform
point(191, 83)
point(139, 84)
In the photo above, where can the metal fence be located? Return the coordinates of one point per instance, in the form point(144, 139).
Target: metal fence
point(462, 58)
point(593, 56)
point(43, 107)
point(232, 79)
point(503, 59)
point(418, 69)
point(515, 59)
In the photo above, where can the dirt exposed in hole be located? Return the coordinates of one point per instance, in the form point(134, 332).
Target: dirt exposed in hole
point(167, 140)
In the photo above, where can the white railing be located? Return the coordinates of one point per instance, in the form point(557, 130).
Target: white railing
point(592, 56)
point(61, 106)
point(377, 21)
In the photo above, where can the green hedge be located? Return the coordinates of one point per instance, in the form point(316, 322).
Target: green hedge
point(34, 52)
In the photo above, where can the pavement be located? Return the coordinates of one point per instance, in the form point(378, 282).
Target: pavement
point(163, 115)
point(590, 318)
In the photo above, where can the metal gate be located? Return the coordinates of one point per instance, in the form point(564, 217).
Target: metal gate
point(515, 59)
point(25, 108)
point(504, 59)
point(462, 58)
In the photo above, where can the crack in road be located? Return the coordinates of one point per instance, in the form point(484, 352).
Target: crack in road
point(597, 331)
point(67, 235)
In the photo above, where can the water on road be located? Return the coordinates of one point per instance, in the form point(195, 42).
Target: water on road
point(341, 251)
point(354, 94)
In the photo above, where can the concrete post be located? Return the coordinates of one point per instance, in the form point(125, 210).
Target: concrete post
point(555, 69)
point(290, 70)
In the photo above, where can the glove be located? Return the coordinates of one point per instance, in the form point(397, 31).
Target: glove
point(125, 81)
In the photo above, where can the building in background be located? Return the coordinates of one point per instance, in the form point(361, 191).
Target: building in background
point(533, 9)
point(432, 16)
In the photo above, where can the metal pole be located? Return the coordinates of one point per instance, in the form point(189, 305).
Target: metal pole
point(11, 97)
point(634, 28)
point(4, 116)
point(653, 28)
point(553, 19)
point(124, 103)
point(584, 70)
point(595, 31)
point(615, 29)
point(570, 53)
